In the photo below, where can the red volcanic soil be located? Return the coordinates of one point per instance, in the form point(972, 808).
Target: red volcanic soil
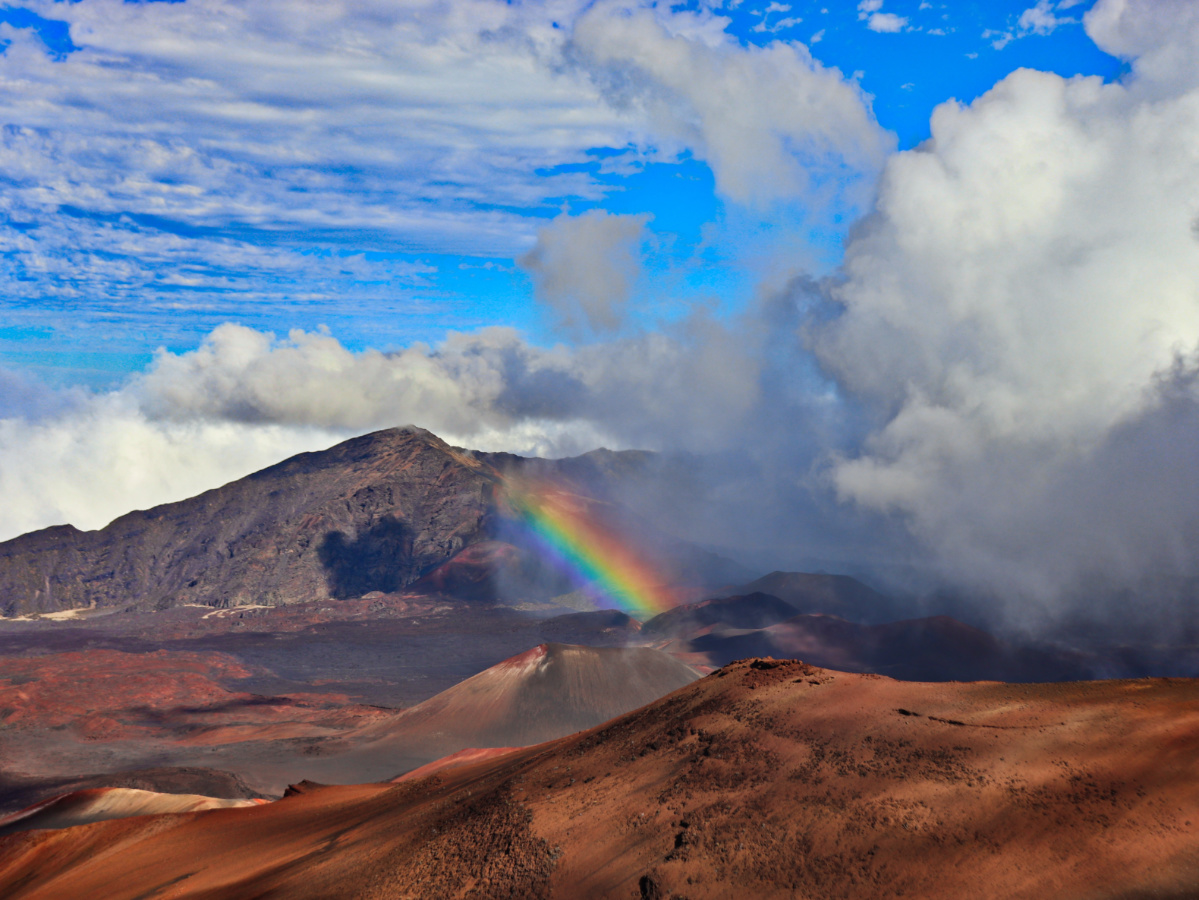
point(177, 695)
point(66, 716)
point(455, 760)
point(551, 690)
point(767, 779)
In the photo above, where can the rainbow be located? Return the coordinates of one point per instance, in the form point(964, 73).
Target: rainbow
point(563, 531)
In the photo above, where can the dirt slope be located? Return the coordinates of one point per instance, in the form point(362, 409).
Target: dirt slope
point(765, 779)
point(101, 804)
point(551, 690)
point(544, 693)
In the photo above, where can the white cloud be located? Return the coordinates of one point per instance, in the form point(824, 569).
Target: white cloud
point(866, 7)
point(887, 22)
point(773, 123)
point(584, 267)
point(105, 457)
point(317, 116)
point(998, 39)
point(1162, 38)
point(1020, 313)
point(245, 399)
point(1041, 19)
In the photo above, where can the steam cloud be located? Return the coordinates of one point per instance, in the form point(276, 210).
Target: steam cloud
point(1001, 383)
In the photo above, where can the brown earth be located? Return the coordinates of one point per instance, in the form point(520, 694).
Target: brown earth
point(544, 693)
point(766, 779)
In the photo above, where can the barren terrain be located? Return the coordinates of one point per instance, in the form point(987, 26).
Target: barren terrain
point(765, 779)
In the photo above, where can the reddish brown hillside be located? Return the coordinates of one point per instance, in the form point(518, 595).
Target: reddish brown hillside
point(551, 690)
point(767, 779)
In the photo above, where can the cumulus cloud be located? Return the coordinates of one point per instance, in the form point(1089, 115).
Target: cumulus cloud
point(245, 398)
point(1011, 312)
point(476, 388)
point(584, 267)
point(774, 124)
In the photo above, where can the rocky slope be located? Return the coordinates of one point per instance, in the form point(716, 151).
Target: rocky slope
point(767, 779)
point(370, 514)
point(380, 513)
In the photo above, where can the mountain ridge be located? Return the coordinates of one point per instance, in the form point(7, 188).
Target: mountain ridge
point(370, 513)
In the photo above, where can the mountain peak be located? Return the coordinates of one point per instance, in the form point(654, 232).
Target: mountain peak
point(371, 513)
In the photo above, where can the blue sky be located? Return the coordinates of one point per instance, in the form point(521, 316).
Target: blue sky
point(920, 294)
point(144, 211)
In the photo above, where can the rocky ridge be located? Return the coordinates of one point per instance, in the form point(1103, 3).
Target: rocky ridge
point(370, 514)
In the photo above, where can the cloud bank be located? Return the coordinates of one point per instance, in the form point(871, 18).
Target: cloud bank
point(1021, 313)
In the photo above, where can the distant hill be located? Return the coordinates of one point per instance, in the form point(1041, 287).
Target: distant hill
point(820, 593)
point(375, 513)
point(935, 648)
point(372, 513)
point(547, 692)
point(756, 610)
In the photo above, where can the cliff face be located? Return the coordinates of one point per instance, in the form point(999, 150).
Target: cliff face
point(372, 513)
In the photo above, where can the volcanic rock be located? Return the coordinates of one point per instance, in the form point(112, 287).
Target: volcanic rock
point(372, 513)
